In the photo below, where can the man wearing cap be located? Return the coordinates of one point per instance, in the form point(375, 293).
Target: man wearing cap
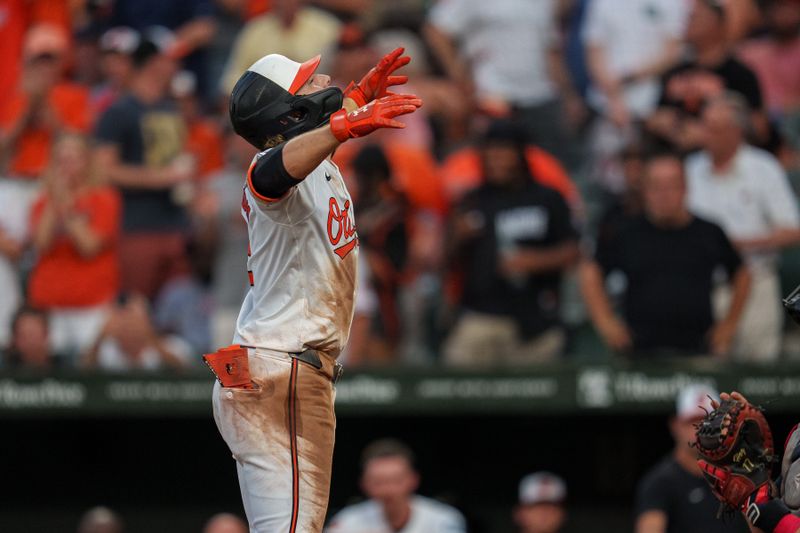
point(673, 497)
point(541, 503)
point(117, 46)
point(273, 402)
point(390, 481)
point(140, 139)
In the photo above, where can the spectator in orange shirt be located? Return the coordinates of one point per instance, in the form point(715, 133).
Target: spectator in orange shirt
point(38, 108)
point(16, 16)
point(75, 227)
point(43, 105)
point(203, 138)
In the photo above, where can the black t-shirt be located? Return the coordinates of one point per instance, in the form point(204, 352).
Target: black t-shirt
point(685, 499)
point(669, 273)
point(151, 135)
point(684, 85)
point(530, 216)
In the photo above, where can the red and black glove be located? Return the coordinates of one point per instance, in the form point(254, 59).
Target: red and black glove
point(376, 82)
point(376, 114)
point(768, 514)
point(734, 443)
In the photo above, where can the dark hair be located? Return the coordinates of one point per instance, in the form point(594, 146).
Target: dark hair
point(143, 53)
point(661, 153)
point(505, 131)
point(633, 150)
point(386, 448)
point(511, 134)
point(656, 155)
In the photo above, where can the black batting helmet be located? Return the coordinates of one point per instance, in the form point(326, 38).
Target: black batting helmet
point(264, 103)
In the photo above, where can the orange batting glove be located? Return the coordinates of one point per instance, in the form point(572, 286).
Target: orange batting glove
point(376, 82)
point(376, 114)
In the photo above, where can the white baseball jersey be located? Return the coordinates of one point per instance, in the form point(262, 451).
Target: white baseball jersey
point(427, 516)
point(302, 265)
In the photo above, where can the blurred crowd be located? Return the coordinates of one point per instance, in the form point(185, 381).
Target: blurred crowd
point(389, 481)
point(586, 177)
point(671, 496)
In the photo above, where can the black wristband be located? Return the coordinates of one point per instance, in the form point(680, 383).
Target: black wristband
point(767, 515)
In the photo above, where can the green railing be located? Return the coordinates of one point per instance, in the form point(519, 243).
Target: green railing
point(546, 390)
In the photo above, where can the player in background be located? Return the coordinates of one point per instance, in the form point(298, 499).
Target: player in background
point(673, 497)
point(389, 480)
point(273, 402)
point(541, 503)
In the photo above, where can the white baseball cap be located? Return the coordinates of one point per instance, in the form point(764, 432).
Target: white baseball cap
point(542, 487)
point(120, 39)
point(694, 401)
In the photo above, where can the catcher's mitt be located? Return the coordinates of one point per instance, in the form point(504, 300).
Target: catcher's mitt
point(736, 453)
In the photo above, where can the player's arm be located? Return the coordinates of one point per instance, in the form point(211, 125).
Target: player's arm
point(653, 521)
point(772, 517)
point(284, 167)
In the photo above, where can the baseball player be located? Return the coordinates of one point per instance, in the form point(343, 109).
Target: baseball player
point(390, 480)
point(773, 507)
point(273, 401)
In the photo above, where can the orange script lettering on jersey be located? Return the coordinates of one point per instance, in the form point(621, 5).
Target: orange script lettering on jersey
point(340, 225)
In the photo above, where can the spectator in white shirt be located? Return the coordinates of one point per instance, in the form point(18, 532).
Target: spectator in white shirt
point(746, 192)
point(129, 341)
point(630, 43)
point(510, 55)
point(389, 480)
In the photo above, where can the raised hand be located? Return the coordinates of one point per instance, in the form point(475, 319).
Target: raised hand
point(377, 114)
point(376, 82)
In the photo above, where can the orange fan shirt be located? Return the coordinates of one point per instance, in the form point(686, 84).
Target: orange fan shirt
point(16, 16)
point(63, 277)
point(414, 172)
point(69, 102)
point(204, 142)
